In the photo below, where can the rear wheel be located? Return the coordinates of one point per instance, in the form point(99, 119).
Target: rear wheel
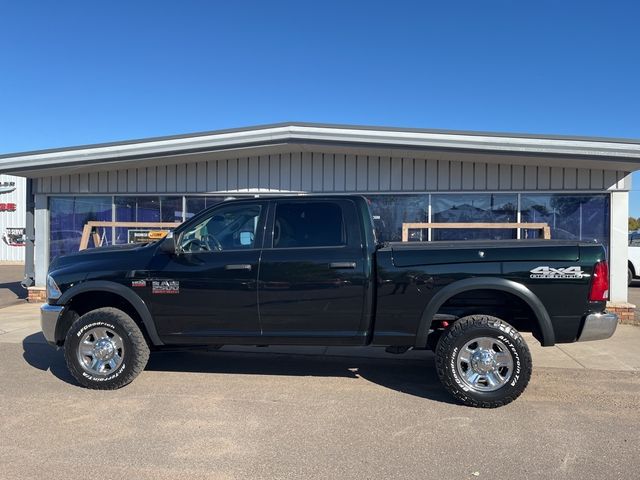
point(629, 277)
point(483, 361)
point(105, 349)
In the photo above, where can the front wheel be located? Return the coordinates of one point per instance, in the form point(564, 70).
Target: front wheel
point(483, 361)
point(105, 349)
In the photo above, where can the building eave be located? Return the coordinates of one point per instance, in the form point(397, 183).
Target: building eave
point(623, 152)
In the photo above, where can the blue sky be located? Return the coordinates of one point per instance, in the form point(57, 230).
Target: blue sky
point(85, 72)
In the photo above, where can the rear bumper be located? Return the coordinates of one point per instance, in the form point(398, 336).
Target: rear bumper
point(598, 326)
point(49, 316)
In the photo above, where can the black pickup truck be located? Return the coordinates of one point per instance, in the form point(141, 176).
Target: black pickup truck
point(308, 270)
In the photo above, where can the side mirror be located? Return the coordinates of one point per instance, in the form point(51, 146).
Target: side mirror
point(168, 245)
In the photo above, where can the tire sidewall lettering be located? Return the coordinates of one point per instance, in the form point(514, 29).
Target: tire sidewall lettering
point(92, 325)
point(454, 372)
point(95, 378)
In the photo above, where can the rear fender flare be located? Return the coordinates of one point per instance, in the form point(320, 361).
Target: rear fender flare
point(122, 291)
point(483, 283)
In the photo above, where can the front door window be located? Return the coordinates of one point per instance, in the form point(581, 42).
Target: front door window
point(231, 228)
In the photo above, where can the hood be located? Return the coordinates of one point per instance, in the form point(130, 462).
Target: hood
point(112, 252)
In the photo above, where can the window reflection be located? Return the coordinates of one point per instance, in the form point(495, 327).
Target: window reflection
point(197, 204)
point(391, 211)
point(474, 208)
point(571, 217)
point(145, 209)
point(67, 218)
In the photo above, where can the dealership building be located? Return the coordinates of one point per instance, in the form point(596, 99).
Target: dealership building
point(577, 186)
point(12, 218)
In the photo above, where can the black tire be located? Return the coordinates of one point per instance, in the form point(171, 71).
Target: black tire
point(629, 277)
point(132, 353)
point(450, 366)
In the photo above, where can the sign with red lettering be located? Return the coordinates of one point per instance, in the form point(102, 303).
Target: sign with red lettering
point(8, 207)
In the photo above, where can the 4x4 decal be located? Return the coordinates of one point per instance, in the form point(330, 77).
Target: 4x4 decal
point(550, 272)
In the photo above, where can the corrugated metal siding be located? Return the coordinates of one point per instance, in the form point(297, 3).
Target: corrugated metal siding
point(12, 219)
point(323, 172)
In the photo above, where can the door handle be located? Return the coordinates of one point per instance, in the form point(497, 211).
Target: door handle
point(239, 266)
point(342, 265)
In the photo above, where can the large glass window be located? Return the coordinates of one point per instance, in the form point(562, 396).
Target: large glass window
point(571, 217)
point(145, 209)
point(195, 205)
point(391, 211)
point(474, 208)
point(67, 218)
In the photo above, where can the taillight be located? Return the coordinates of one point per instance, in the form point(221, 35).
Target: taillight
point(600, 283)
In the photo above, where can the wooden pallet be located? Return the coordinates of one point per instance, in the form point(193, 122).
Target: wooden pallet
point(90, 230)
point(543, 227)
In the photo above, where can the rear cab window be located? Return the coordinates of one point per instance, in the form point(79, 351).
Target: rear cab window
point(315, 223)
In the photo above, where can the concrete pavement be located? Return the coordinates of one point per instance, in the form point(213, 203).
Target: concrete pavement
point(21, 323)
point(288, 413)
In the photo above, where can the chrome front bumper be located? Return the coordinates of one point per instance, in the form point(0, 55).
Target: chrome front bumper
point(598, 326)
point(49, 316)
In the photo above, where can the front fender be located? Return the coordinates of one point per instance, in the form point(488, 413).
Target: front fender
point(117, 289)
point(484, 283)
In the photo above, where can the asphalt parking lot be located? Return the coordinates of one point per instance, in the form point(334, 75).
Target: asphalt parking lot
point(261, 413)
point(634, 297)
point(266, 415)
point(10, 290)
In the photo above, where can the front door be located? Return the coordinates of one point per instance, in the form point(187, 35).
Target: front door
point(207, 292)
point(312, 273)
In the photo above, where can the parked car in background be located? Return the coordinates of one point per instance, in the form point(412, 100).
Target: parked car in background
point(634, 257)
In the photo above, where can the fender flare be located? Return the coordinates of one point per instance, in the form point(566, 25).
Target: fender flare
point(484, 283)
point(122, 291)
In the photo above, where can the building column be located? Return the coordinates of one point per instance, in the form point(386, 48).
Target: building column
point(618, 256)
point(41, 256)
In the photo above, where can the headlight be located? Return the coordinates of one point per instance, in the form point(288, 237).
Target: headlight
point(53, 292)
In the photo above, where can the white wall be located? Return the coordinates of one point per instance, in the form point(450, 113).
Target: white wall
point(12, 219)
point(333, 172)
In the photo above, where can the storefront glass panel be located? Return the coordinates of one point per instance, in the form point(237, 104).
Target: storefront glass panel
point(474, 208)
point(391, 211)
point(195, 205)
point(570, 217)
point(145, 209)
point(68, 216)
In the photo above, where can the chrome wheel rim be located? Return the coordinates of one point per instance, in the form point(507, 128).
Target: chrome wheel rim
point(100, 351)
point(484, 364)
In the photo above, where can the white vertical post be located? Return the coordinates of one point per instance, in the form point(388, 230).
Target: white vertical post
point(618, 256)
point(41, 255)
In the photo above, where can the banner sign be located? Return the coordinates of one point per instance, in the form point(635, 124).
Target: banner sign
point(8, 207)
point(146, 236)
point(14, 237)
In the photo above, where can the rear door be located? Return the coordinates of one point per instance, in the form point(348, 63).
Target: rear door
point(311, 285)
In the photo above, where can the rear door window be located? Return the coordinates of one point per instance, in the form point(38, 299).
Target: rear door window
point(309, 224)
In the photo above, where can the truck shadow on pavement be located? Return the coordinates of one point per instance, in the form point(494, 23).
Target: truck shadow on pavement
point(411, 376)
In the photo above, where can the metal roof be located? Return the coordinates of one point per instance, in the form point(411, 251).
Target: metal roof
point(625, 152)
